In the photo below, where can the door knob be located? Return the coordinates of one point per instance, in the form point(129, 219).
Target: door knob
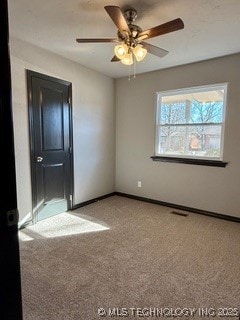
point(39, 159)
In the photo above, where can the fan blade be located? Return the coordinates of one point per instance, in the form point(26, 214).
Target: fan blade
point(167, 27)
point(118, 18)
point(159, 52)
point(115, 59)
point(96, 40)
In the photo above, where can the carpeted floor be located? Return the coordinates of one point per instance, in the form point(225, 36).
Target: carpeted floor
point(132, 256)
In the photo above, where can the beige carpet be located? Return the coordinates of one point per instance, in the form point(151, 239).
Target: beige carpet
point(132, 256)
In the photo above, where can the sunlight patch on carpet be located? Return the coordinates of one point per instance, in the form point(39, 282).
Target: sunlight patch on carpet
point(63, 224)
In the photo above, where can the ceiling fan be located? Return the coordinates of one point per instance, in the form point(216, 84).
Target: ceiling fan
point(130, 37)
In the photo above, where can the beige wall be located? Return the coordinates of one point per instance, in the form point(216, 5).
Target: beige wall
point(208, 188)
point(93, 123)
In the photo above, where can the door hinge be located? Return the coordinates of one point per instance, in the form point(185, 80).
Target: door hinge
point(69, 100)
point(12, 217)
point(71, 197)
point(69, 149)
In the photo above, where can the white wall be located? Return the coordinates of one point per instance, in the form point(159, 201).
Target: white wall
point(93, 123)
point(207, 188)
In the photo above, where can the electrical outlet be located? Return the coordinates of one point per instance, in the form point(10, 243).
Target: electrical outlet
point(139, 184)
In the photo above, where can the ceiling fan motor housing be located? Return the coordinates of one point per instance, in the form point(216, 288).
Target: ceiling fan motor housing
point(130, 39)
point(130, 15)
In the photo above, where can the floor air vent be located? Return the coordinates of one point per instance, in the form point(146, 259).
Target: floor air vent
point(179, 213)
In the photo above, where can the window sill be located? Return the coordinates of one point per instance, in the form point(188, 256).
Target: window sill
point(201, 162)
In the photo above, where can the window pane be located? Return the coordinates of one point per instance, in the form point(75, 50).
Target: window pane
point(194, 107)
point(199, 141)
point(173, 113)
point(207, 112)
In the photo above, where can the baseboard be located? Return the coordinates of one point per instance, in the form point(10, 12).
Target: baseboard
point(180, 207)
point(85, 203)
point(162, 203)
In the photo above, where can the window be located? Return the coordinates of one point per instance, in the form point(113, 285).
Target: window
point(190, 123)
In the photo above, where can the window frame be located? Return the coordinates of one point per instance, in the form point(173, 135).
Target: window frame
point(191, 159)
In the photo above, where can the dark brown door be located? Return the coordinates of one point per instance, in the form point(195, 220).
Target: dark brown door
point(50, 131)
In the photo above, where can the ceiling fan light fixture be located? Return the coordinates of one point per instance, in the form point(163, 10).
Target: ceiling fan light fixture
point(121, 50)
point(127, 59)
point(139, 52)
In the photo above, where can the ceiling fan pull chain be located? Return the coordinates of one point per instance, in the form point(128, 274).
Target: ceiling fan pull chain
point(129, 72)
point(134, 67)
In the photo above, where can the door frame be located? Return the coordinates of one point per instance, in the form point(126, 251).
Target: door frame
point(30, 74)
point(10, 277)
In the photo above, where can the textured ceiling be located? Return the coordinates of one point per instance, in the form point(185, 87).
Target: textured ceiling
point(212, 29)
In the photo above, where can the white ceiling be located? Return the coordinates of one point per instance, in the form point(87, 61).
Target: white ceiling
point(212, 29)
